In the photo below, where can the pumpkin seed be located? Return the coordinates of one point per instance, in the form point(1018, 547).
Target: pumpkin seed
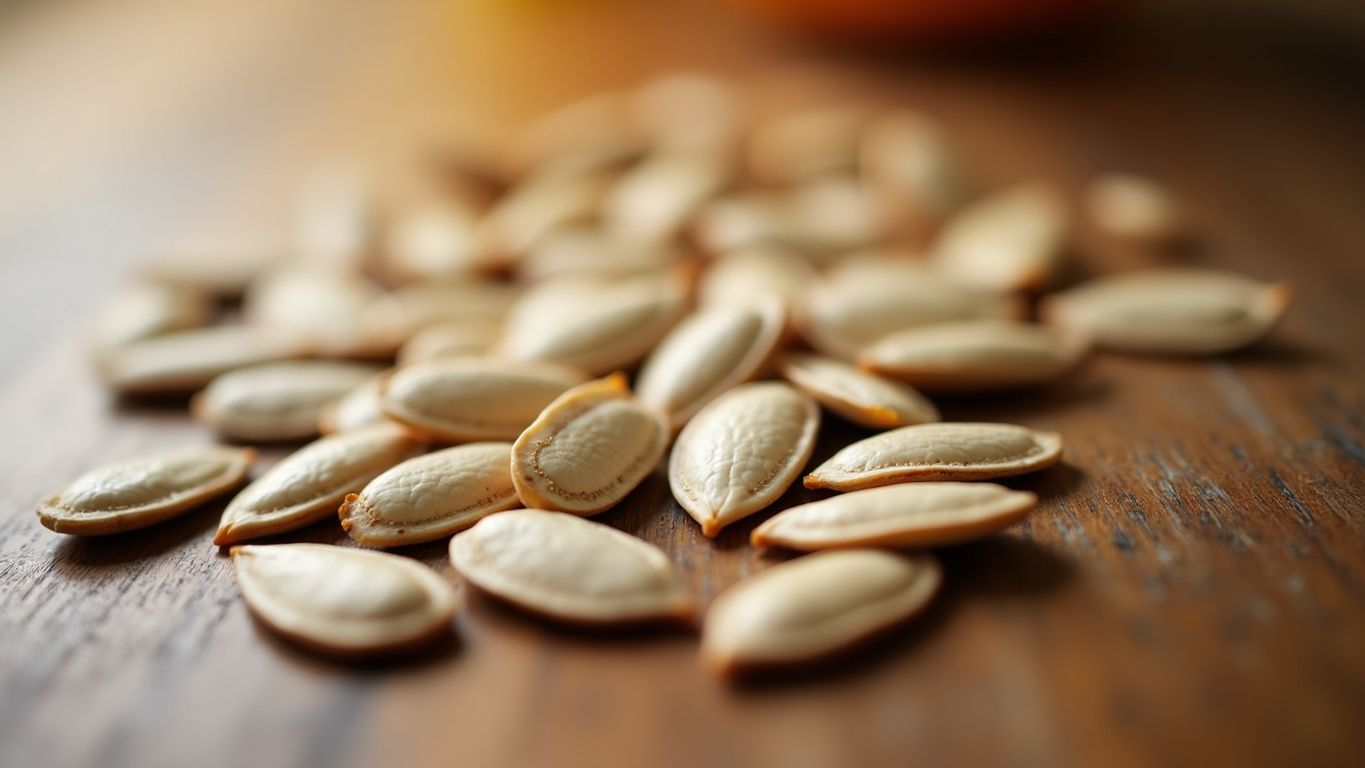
point(711, 351)
point(356, 409)
point(831, 216)
point(595, 325)
point(815, 606)
point(946, 451)
point(436, 242)
point(1134, 208)
point(864, 299)
point(309, 484)
point(418, 305)
point(744, 277)
point(431, 496)
point(1010, 240)
point(276, 401)
point(651, 202)
point(185, 361)
point(468, 399)
point(587, 250)
point(904, 515)
point(453, 338)
point(803, 145)
point(1171, 311)
point(863, 398)
point(148, 310)
point(588, 449)
point(325, 312)
point(135, 493)
point(975, 356)
point(908, 160)
point(541, 204)
point(570, 569)
point(741, 452)
point(342, 601)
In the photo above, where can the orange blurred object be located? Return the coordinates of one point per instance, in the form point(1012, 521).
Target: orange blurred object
point(923, 19)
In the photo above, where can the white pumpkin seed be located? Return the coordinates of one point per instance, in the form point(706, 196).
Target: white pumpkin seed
point(541, 204)
point(585, 250)
point(831, 216)
point(1171, 311)
point(864, 299)
point(468, 399)
point(651, 202)
point(419, 305)
point(146, 310)
point(802, 145)
point(356, 409)
point(324, 311)
point(863, 398)
point(1134, 208)
point(946, 451)
point(742, 452)
point(595, 325)
point(908, 160)
point(185, 361)
point(815, 606)
point(975, 356)
point(1010, 240)
point(745, 277)
point(436, 242)
point(903, 515)
point(711, 351)
point(309, 484)
point(135, 493)
point(276, 401)
point(570, 569)
point(453, 338)
point(342, 601)
point(431, 496)
point(588, 449)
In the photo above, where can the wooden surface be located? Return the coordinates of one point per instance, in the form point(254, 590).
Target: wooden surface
point(1190, 591)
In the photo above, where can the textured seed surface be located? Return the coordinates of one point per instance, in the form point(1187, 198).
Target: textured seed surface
point(138, 492)
point(865, 299)
point(975, 356)
point(861, 397)
point(147, 310)
point(276, 401)
point(569, 569)
point(711, 351)
point(594, 325)
point(588, 449)
point(1135, 208)
point(902, 515)
point(343, 601)
point(357, 409)
point(947, 451)
point(1010, 240)
point(466, 399)
point(309, 484)
point(1171, 311)
point(815, 606)
point(742, 452)
point(186, 361)
point(432, 496)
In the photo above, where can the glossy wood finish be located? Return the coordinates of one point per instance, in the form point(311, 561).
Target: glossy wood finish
point(1189, 591)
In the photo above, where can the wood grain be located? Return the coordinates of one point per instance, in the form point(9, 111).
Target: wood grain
point(1189, 592)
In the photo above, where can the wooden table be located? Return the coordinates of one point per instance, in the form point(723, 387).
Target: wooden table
point(1190, 591)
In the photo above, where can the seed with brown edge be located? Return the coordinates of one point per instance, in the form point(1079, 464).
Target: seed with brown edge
point(466, 399)
point(866, 298)
point(711, 351)
point(570, 569)
point(185, 361)
point(432, 496)
point(741, 452)
point(1170, 311)
point(135, 493)
point(975, 356)
point(342, 601)
point(592, 324)
point(903, 515)
point(276, 401)
point(1010, 240)
point(863, 398)
point(309, 484)
point(946, 451)
point(815, 606)
point(588, 449)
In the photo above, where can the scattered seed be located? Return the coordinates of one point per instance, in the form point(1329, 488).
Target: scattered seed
point(276, 401)
point(863, 398)
point(1010, 240)
point(975, 356)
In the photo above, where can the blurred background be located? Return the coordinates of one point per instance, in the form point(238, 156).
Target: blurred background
point(133, 125)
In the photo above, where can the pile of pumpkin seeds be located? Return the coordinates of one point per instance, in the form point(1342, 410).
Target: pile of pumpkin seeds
point(642, 278)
